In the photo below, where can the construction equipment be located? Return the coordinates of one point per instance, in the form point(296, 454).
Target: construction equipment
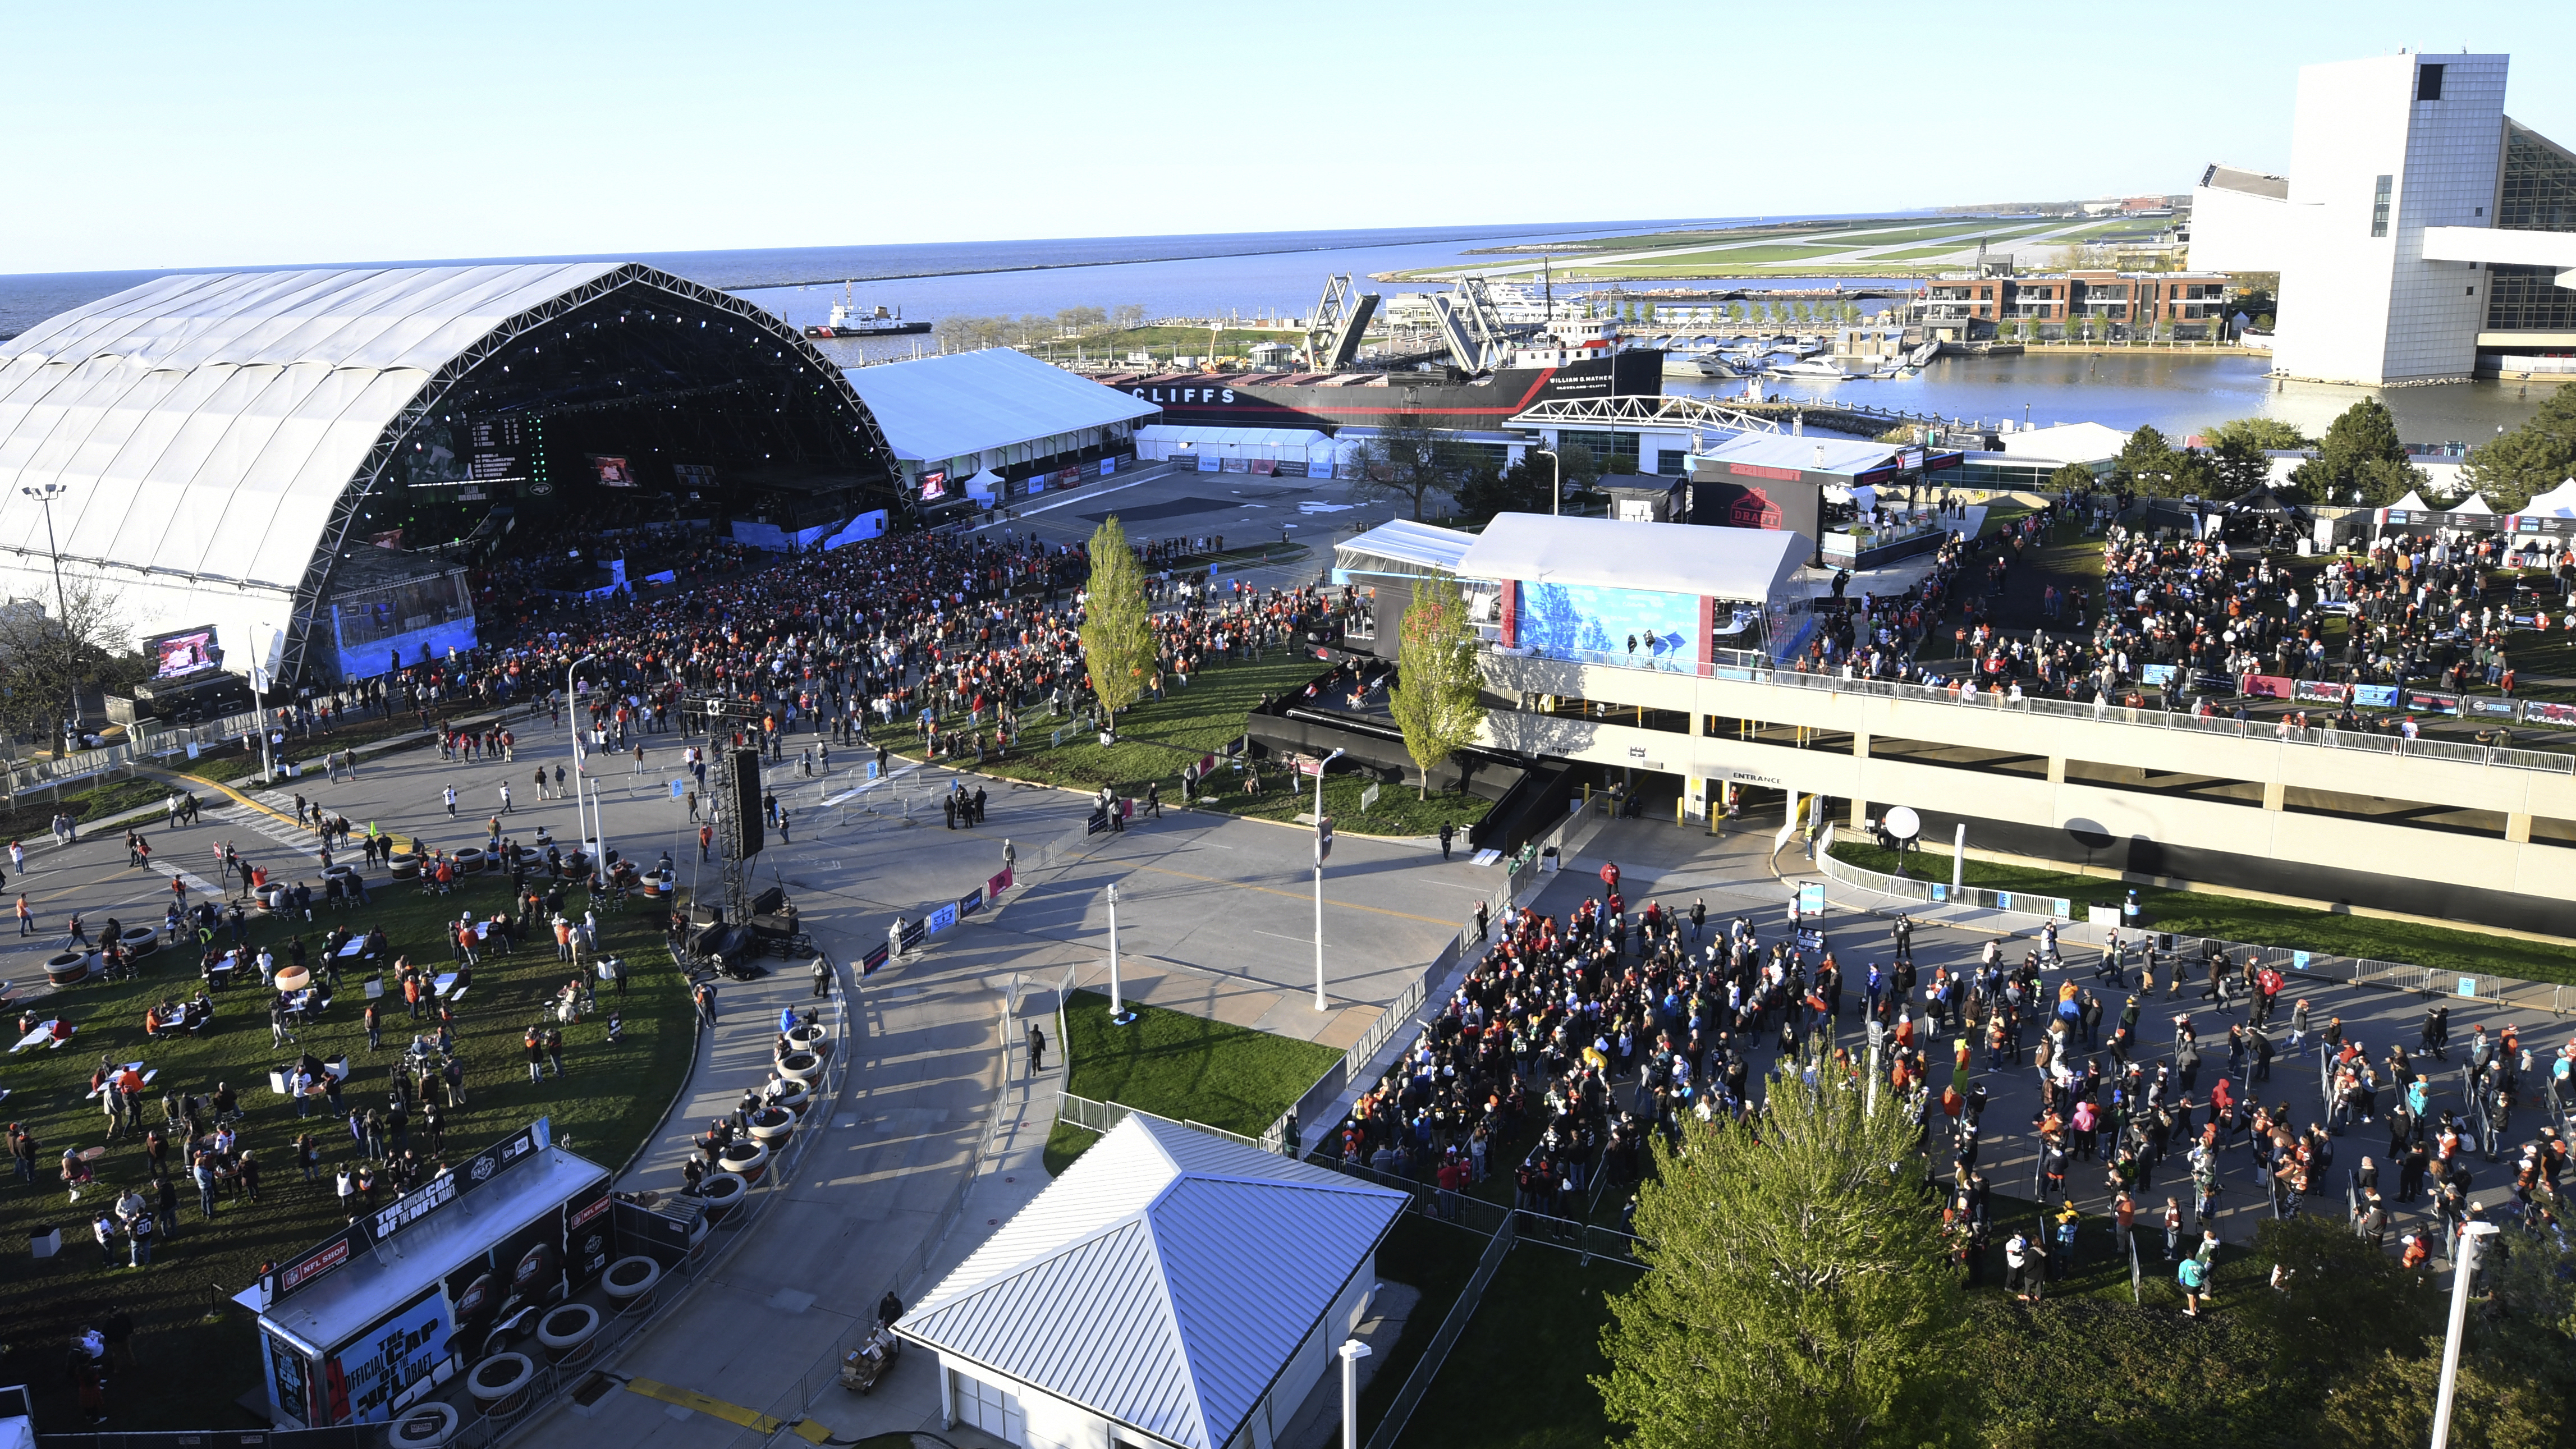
point(1468, 322)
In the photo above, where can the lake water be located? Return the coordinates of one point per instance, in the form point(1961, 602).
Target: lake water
point(2178, 394)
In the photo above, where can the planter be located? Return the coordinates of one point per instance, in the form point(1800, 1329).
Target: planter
point(700, 1243)
point(276, 900)
point(68, 968)
point(722, 1192)
point(294, 978)
point(566, 1332)
point(470, 859)
point(575, 863)
point(406, 867)
point(799, 1066)
point(140, 941)
point(631, 1281)
point(796, 1097)
point(773, 1125)
point(652, 889)
point(746, 1160)
point(425, 1425)
point(810, 1039)
point(499, 1382)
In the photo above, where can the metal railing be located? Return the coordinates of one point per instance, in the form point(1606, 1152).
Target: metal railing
point(1093, 1116)
point(1752, 667)
point(1390, 1426)
point(2292, 962)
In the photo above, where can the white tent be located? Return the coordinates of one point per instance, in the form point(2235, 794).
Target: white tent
point(2414, 502)
point(2558, 502)
point(964, 403)
point(2474, 503)
point(983, 485)
point(1673, 558)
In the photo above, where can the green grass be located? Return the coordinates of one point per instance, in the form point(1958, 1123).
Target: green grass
point(1186, 1067)
point(1158, 738)
point(1434, 1259)
point(37, 808)
point(1538, 1331)
point(2259, 923)
point(197, 1364)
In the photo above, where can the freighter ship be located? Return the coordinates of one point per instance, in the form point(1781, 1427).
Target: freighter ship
point(1581, 358)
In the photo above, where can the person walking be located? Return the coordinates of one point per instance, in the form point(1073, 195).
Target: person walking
point(822, 976)
point(1037, 1049)
point(1448, 833)
point(506, 806)
point(448, 793)
point(535, 1047)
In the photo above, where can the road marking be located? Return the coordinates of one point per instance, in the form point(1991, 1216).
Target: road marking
point(1292, 895)
point(805, 1429)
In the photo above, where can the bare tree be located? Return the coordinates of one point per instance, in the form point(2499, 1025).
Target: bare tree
point(45, 661)
point(1409, 461)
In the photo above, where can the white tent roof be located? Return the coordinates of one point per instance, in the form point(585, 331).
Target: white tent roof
point(2067, 443)
point(1785, 450)
point(2414, 502)
point(1195, 435)
point(2474, 503)
point(1676, 558)
point(1406, 541)
point(2558, 502)
point(967, 402)
point(1163, 1281)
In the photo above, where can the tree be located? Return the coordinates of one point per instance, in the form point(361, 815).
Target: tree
point(2146, 462)
point(1128, 315)
point(45, 660)
point(1796, 1293)
point(2073, 477)
point(1117, 628)
point(1408, 461)
point(2533, 458)
point(1437, 698)
point(1524, 487)
point(2360, 452)
point(1080, 319)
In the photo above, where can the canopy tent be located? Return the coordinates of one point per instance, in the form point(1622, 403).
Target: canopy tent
point(2474, 503)
point(1850, 456)
point(1210, 449)
point(1675, 558)
point(2414, 502)
point(2558, 502)
point(934, 408)
point(1402, 547)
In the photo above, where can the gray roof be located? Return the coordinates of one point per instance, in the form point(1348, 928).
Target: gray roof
point(2252, 183)
point(968, 402)
point(1673, 558)
point(1406, 546)
point(1162, 1282)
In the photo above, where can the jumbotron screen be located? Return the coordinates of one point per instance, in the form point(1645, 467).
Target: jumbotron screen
point(613, 472)
point(191, 651)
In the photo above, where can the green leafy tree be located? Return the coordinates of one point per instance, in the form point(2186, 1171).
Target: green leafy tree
point(2533, 458)
point(2360, 452)
point(1409, 461)
point(1117, 627)
point(1524, 487)
point(1796, 1293)
point(2146, 462)
point(1437, 698)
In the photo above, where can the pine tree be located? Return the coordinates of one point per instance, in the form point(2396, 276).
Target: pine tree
point(1117, 624)
point(2533, 458)
point(1797, 1293)
point(1436, 700)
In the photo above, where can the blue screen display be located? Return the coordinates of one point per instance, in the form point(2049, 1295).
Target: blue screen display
point(1610, 625)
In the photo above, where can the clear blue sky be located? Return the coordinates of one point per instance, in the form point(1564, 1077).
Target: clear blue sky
point(167, 135)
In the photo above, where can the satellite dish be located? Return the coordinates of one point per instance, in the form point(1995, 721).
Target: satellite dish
point(1901, 822)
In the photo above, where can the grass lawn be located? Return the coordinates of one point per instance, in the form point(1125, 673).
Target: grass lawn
point(1538, 1330)
point(1158, 738)
point(195, 1364)
point(36, 809)
point(2259, 923)
point(1434, 1259)
point(1180, 1066)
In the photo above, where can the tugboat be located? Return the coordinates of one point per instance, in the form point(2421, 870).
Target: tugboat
point(847, 320)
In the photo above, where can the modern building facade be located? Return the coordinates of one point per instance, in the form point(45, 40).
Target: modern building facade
point(2192, 304)
point(2421, 235)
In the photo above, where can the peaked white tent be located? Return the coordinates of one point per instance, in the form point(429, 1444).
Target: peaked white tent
point(2474, 503)
point(2558, 502)
point(1171, 1288)
point(2414, 502)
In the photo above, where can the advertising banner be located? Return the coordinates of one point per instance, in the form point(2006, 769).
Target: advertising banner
point(869, 963)
point(971, 902)
point(2266, 686)
point(2321, 691)
point(2156, 674)
point(2425, 701)
point(2489, 707)
point(362, 1379)
point(914, 933)
point(2375, 696)
point(993, 888)
point(588, 1244)
point(2542, 711)
point(943, 918)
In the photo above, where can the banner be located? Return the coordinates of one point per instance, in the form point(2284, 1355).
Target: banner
point(2156, 674)
point(2321, 691)
point(942, 919)
point(2425, 701)
point(993, 888)
point(1099, 822)
point(971, 902)
point(2266, 686)
point(2375, 696)
point(2489, 707)
point(2548, 712)
point(914, 932)
point(869, 963)
point(2213, 683)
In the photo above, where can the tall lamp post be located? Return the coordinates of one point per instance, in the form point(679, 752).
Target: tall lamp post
point(1323, 847)
point(1118, 1011)
point(1352, 1351)
point(1555, 479)
point(2464, 1267)
point(580, 824)
point(45, 494)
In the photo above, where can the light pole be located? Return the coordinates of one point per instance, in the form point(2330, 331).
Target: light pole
point(1352, 1352)
point(1555, 480)
point(2464, 1266)
point(1323, 847)
point(45, 494)
point(580, 827)
point(1118, 1011)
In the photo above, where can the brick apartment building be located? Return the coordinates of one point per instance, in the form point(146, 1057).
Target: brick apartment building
point(1967, 308)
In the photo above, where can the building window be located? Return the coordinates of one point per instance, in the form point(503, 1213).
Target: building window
point(2428, 82)
point(2539, 194)
point(2379, 206)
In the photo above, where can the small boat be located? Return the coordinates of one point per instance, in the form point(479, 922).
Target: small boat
point(849, 320)
point(1809, 368)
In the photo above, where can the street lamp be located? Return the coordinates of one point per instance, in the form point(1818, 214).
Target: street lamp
point(580, 829)
point(2464, 1266)
point(1118, 1011)
point(1352, 1352)
point(1555, 480)
point(1323, 847)
point(45, 494)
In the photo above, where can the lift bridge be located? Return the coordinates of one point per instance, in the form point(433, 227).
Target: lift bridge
point(1654, 410)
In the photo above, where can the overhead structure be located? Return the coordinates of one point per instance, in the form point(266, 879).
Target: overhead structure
point(1468, 322)
point(1646, 410)
point(1333, 333)
point(223, 440)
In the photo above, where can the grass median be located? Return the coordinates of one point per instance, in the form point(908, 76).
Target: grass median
point(2254, 922)
point(1158, 738)
point(196, 1352)
point(1180, 1066)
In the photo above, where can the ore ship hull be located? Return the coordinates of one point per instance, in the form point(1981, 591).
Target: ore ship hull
point(1446, 399)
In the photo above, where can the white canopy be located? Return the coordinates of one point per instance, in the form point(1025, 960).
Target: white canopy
point(1674, 558)
point(2414, 502)
point(2474, 503)
point(1419, 546)
point(969, 402)
point(2558, 502)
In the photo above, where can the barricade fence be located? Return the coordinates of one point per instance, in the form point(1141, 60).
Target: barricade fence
point(1399, 1413)
point(2292, 963)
